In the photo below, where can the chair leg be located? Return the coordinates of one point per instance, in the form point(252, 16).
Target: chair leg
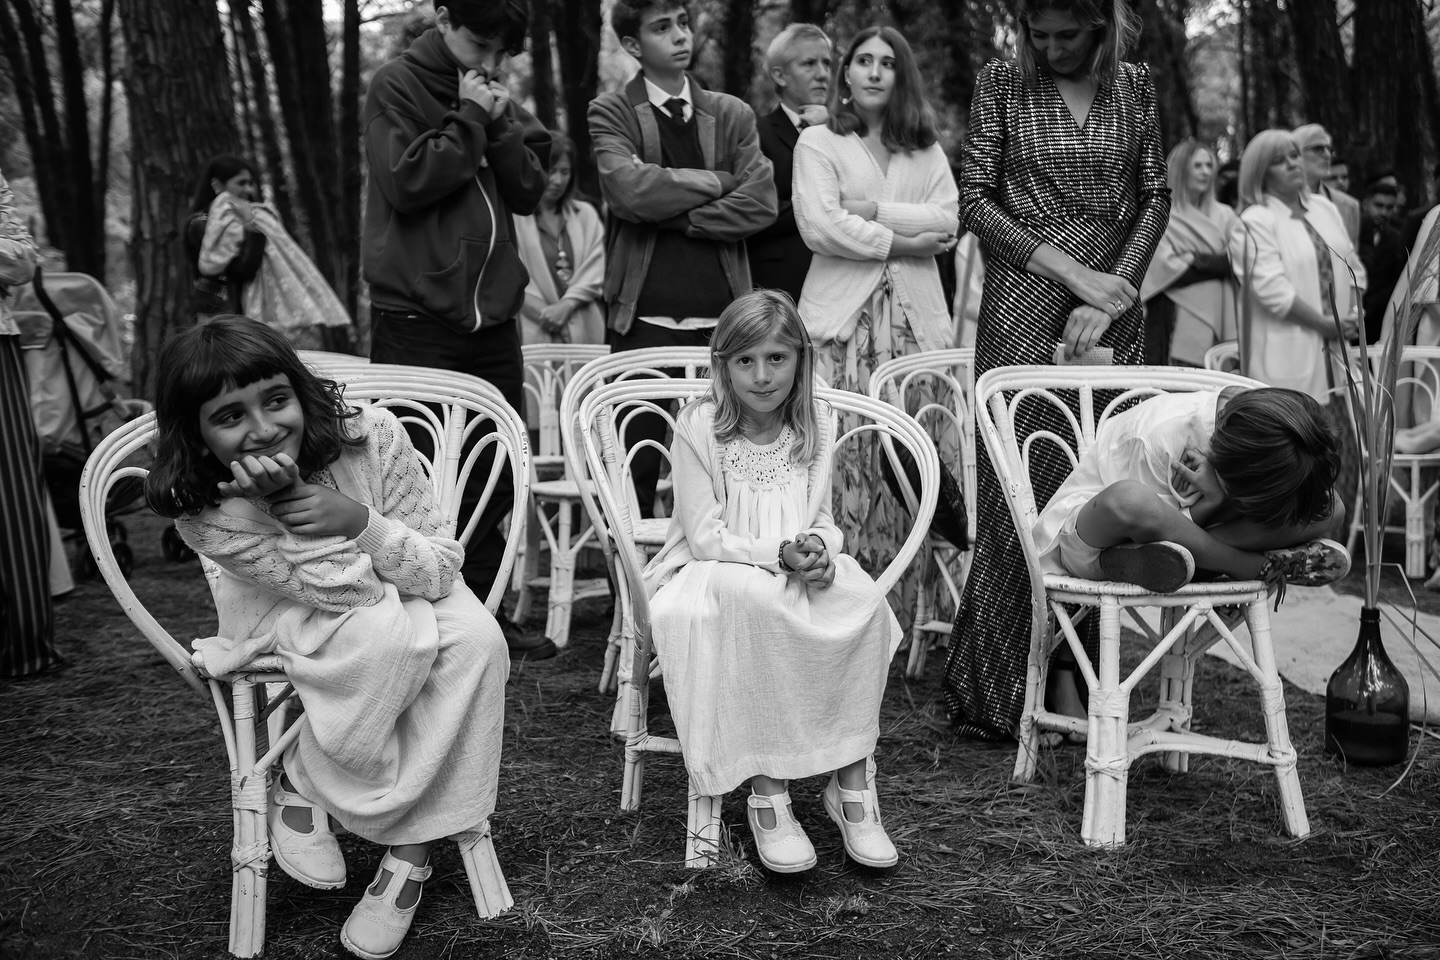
point(482, 867)
point(1027, 757)
point(614, 643)
point(562, 579)
point(529, 565)
point(1416, 507)
point(1277, 728)
point(924, 610)
point(1177, 674)
point(702, 831)
point(1107, 757)
point(250, 850)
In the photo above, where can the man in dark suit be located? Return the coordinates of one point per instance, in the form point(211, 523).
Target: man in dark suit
point(1381, 250)
point(1414, 218)
point(799, 62)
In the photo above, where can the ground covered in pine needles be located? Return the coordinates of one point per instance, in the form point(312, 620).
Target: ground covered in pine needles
point(115, 830)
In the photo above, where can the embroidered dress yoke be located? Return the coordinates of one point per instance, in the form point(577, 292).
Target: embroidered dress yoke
point(399, 665)
point(764, 674)
point(1098, 192)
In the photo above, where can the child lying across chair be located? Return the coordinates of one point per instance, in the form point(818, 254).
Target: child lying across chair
point(1236, 482)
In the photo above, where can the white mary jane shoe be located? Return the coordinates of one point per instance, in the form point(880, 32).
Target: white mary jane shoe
point(784, 848)
point(865, 840)
point(377, 926)
point(313, 858)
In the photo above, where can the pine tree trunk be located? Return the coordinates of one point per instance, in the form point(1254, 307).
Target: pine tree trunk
point(84, 245)
point(351, 178)
point(265, 115)
point(1394, 113)
point(25, 49)
point(542, 64)
point(1162, 46)
point(577, 37)
point(181, 114)
point(739, 69)
point(1324, 75)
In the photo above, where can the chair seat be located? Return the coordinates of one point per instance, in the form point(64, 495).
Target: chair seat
point(263, 668)
point(652, 531)
point(1055, 583)
point(555, 490)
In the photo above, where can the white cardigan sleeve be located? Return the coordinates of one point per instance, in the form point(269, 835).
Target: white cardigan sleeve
point(1255, 248)
point(827, 227)
point(939, 211)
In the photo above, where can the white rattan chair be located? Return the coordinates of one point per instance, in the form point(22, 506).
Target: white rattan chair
point(649, 534)
point(554, 494)
point(452, 408)
point(1224, 356)
point(936, 388)
point(1417, 390)
point(1188, 625)
point(601, 420)
point(331, 364)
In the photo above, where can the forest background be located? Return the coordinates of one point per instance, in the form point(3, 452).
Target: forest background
point(110, 108)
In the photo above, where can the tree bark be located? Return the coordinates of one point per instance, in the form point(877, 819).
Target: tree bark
point(265, 116)
point(181, 114)
point(1162, 46)
point(107, 109)
point(1324, 75)
point(351, 178)
point(85, 245)
point(47, 146)
point(739, 62)
point(542, 63)
point(1392, 54)
point(577, 37)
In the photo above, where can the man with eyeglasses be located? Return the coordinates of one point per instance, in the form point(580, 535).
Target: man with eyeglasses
point(1316, 149)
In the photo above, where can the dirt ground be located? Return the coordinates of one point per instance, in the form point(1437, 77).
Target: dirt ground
point(116, 836)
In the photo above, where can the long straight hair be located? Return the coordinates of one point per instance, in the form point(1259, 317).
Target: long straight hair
point(223, 167)
point(910, 122)
point(229, 352)
point(1177, 171)
point(1119, 30)
point(749, 320)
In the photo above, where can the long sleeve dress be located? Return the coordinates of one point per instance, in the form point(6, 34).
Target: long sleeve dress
point(764, 674)
point(863, 306)
point(399, 665)
point(583, 244)
point(1098, 192)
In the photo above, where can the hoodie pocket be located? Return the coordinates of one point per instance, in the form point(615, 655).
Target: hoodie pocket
point(501, 286)
point(446, 293)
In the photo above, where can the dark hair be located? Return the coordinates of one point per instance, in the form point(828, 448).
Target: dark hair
point(228, 352)
point(561, 147)
point(1385, 183)
point(1278, 456)
point(626, 15)
point(1119, 28)
point(221, 167)
point(506, 19)
point(910, 122)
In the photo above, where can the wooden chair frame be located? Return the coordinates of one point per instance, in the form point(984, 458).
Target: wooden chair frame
point(554, 496)
point(893, 382)
point(647, 364)
point(1189, 622)
point(452, 408)
point(601, 421)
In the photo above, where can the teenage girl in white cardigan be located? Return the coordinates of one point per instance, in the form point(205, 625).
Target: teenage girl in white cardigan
point(876, 202)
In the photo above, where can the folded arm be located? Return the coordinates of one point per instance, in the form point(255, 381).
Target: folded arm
point(645, 192)
point(749, 207)
point(827, 227)
point(416, 165)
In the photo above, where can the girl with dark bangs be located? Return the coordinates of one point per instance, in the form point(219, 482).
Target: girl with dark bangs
point(876, 202)
point(328, 534)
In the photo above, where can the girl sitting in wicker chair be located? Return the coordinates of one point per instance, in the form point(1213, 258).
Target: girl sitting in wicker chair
point(326, 527)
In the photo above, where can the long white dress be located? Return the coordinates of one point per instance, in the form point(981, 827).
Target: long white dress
point(399, 665)
point(764, 675)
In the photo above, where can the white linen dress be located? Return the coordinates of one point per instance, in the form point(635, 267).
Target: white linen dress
point(764, 675)
point(399, 665)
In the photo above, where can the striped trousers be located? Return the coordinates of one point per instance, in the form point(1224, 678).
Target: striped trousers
point(27, 624)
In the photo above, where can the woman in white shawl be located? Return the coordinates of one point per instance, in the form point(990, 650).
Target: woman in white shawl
point(246, 262)
point(1192, 301)
point(563, 248)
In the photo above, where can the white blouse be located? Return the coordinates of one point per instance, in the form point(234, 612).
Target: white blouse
point(1275, 264)
point(917, 193)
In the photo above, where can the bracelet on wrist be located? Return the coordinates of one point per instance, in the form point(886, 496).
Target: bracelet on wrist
point(783, 565)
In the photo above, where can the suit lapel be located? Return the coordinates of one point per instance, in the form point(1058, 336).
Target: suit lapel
point(783, 128)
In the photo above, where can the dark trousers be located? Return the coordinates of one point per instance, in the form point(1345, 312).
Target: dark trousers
point(27, 624)
point(493, 354)
point(645, 468)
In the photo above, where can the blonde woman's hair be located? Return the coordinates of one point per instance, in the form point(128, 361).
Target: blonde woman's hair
point(1177, 170)
point(748, 320)
point(1119, 29)
point(1263, 149)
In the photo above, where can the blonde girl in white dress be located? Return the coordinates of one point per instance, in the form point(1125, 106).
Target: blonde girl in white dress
point(774, 644)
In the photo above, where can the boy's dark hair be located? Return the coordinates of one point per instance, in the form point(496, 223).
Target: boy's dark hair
point(1384, 183)
point(1278, 456)
point(226, 352)
point(507, 19)
point(626, 15)
point(910, 122)
point(223, 167)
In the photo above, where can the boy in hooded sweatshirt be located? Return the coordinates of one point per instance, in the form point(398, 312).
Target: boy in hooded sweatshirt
point(451, 157)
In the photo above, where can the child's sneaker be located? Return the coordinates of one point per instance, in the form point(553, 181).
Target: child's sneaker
point(1312, 564)
point(1160, 567)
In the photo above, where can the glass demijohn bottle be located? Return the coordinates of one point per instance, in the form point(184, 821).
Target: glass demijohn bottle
point(1367, 702)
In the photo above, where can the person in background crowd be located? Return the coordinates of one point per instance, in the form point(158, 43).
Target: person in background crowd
point(233, 182)
point(798, 62)
point(685, 182)
point(1065, 185)
point(451, 156)
point(1317, 149)
point(1381, 250)
point(1339, 178)
point(1191, 300)
point(1413, 217)
point(563, 248)
point(27, 624)
point(1227, 190)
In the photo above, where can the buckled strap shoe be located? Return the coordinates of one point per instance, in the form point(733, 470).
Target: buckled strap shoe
point(784, 848)
point(865, 840)
point(313, 858)
point(377, 926)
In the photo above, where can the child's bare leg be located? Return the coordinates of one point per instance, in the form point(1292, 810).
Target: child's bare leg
point(416, 853)
point(767, 787)
point(1130, 512)
point(852, 777)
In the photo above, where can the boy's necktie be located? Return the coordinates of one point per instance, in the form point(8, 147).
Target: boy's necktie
point(675, 106)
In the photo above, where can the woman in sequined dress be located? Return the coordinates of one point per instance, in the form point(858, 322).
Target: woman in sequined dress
point(1064, 184)
point(563, 248)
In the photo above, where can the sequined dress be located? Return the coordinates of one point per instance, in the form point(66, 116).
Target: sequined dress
point(1097, 192)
